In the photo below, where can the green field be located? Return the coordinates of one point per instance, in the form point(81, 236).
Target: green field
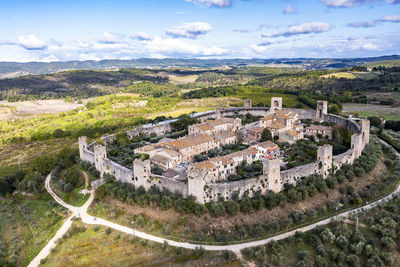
point(27, 226)
point(366, 110)
point(94, 247)
point(289, 101)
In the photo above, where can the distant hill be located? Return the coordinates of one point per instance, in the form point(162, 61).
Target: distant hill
point(15, 69)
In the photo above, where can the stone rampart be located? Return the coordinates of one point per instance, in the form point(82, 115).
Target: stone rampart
point(216, 191)
point(291, 176)
point(174, 186)
point(121, 173)
point(349, 124)
point(344, 158)
point(205, 192)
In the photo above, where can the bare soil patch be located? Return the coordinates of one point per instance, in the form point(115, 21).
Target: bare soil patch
point(13, 110)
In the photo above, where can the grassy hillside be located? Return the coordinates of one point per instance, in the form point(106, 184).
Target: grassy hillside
point(94, 246)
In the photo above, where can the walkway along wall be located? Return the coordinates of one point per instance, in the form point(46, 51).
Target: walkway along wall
point(271, 179)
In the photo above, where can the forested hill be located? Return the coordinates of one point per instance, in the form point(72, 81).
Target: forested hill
point(15, 69)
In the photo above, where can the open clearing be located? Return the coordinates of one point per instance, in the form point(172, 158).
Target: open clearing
point(365, 110)
point(346, 75)
point(92, 246)
point(13, 110)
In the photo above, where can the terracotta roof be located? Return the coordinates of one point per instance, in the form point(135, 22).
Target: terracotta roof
point(190, 140)
point(170, 173)
point(256, 129)
point(172, 152)
point(270, 117)
point(165, 140)
point(205, 127)
point(319, 128)
point(225, 134)
point(161, 158)
point(267, 144)
point(146, 148)
point(276, 126)
point(205, 164)
point(216, 122)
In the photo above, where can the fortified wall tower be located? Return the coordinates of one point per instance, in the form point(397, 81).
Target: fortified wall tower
point(272, 172)
point(276, 104)
point(324, 157)
point(247, 103)
point(196, 183)
point(322, 109)
point(83, 143)
point(100, 154)
point(365, 127)
point(141, 173)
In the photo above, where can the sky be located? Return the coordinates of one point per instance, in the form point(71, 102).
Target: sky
point(61, 30)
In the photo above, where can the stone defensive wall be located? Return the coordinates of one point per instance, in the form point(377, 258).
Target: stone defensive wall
point(140, 174)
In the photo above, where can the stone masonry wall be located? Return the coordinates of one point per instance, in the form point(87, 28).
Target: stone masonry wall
point(206, 192)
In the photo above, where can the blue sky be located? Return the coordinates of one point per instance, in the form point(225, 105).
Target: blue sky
point(107, 29)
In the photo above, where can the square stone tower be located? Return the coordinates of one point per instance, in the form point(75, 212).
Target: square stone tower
point(365, 127)
point(276, 104)
point(272, 171)
point(324, 159)
point(247, 103)
point(356, 145)
point(141, 173)
point(322, 109)
point(82, 141)
point(196, 182)
point(100, 154)
point(218, 114)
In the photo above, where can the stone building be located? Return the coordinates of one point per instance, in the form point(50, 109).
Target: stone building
point(191, 145)
point(315, 130)
point(218, 125)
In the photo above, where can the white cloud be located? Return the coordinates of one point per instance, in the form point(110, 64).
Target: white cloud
point(109, 38)
point(305, 28)
point(141, 36)
point(258, 49)
point(173, 47)
point(189, 30)
point(31, 42)
point(390, 18)
point(289, 10)
point(344, 3)
point(362, 24)
point(212, 3)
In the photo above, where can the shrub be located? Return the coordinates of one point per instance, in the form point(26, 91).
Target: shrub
point(342, 242)
point(166, 203)
point(164, 245)
point(246, 205)
point(302, 254)
point(199, 251)
point(320, 261)
point(353, 260)
point(108, 231)
point(232, 208)
point(67, 188)
point(217, 209)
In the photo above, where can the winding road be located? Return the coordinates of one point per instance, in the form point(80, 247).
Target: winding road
point(88, 219)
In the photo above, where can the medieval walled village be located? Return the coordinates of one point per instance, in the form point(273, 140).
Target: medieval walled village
point(184, 168)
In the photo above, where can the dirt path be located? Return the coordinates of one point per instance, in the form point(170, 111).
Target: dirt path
point(86, 177)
